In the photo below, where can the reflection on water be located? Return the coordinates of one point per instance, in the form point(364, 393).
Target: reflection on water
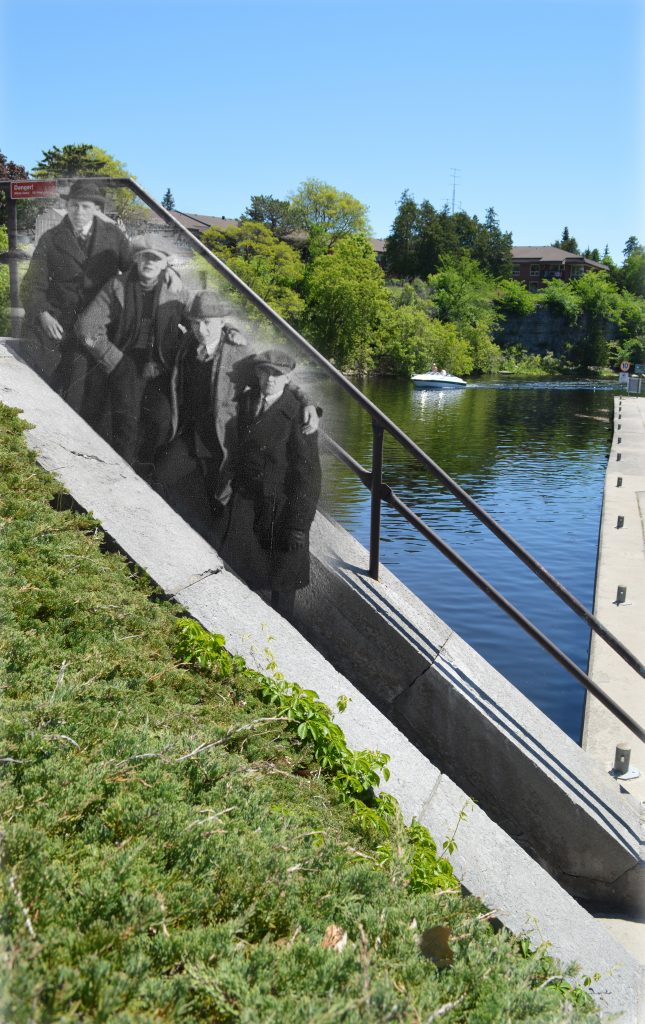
point(533, 454)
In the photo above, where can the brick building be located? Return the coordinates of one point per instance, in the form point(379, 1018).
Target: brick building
point(534, 265)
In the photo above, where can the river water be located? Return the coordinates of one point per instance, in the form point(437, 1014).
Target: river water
point(534, 455)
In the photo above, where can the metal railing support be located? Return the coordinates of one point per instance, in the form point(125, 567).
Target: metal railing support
point(376, 484)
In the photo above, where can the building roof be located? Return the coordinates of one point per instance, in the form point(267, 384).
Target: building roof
point(198, 222)
point(551, 254)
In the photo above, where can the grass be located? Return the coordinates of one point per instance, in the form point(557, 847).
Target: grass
point(175, 846)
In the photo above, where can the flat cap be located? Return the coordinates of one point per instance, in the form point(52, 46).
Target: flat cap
point(207, 304)
point(276, 359)
point(85, 191)
point(156, 244)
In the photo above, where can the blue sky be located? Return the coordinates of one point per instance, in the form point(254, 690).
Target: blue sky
point(539, 106)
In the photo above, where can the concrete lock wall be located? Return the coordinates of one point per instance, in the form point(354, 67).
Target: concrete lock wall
point(473, 724)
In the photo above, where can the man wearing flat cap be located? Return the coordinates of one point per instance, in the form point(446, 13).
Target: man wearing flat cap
point(131, 331)
point(276, 486)
point(71, 263)
point(212, 369)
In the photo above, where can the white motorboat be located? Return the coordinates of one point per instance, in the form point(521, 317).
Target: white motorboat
point(437, 379)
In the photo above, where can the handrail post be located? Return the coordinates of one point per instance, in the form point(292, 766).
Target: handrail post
point(12, 234)
point(376, 482)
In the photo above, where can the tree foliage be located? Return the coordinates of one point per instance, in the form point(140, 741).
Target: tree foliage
point(71, 161)
point(513, 298)
point(567, 242)
point(463, 294)
point(632, 273)
point(346, 303)
point(326, 214)
point(14, 172)
point(81, 160)
point(270, 267)
point(275, 214)
point(168, 201)
point(412, 341)
point(422, 235)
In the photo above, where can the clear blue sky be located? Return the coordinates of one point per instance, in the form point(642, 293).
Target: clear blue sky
point(538, 105)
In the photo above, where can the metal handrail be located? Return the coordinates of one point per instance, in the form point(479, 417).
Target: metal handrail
point(382, 424)
point(391, 499)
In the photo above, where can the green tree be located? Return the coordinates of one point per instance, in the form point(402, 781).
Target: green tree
point(561, 299)
point(71, 161)
point(600, 305)
point(632, 272)
point(276, 214)
point(81, 160)
point(168, 201)
point(463, 294)
point(346, 304)
point(422, 235)
point(327, 214)
point(631, 245)
point(14, 172)
point(567, 242)
point(411, 341)
point(270, 267)
point(514, 299)
point(401, 245)
point(493, 247)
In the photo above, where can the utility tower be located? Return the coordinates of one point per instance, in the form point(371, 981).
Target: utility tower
point(454, 172)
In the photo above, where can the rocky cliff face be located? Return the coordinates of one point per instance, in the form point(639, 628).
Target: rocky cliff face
point(544, 330)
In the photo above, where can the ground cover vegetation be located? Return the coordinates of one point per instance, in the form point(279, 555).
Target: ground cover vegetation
point(186, 840)
point(444, 292)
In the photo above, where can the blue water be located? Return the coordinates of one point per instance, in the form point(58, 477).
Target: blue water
point(533, 454)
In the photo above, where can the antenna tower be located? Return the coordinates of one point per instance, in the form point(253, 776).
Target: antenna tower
point(454, 171)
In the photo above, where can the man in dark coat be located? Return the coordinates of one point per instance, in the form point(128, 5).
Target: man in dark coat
point(70, 264)
point(212, 369)
point(132, 331)
point(276, 486)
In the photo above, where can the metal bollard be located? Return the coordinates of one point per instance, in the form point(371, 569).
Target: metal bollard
point(621, 769)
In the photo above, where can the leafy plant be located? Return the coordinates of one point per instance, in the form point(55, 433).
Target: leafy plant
point(354, 775)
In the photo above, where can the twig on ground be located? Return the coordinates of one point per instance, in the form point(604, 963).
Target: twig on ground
point(25, 913)
point(233, 731)
point(442, 1010)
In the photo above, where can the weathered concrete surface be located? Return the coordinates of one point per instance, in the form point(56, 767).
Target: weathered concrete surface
point(621, 562)
point(489, 862)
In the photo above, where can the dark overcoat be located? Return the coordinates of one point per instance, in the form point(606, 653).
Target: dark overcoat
point(109, 324)
point(276, 486)
point(62, 279)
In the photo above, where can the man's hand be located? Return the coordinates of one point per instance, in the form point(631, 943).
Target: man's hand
point(310, 419)
point(172, 280)
point(51, 327)
point(232, 335)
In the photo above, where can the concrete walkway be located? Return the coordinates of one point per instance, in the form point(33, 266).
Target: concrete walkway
point(621, 563)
